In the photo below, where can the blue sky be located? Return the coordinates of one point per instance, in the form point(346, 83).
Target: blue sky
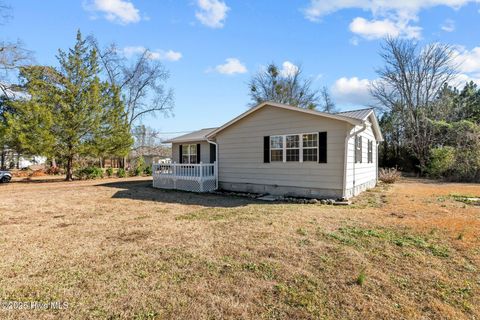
point(212, 47)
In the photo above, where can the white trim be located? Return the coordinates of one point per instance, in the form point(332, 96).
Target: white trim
point(287, 107)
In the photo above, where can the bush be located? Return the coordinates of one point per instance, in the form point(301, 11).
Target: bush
point(138, 167)
point(121, 173)
point(148, 171)
point(442, 160)
point(389, 175)
point(89, 173)
point(109, 172)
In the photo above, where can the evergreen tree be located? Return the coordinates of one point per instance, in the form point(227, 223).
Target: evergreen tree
point(69, 112)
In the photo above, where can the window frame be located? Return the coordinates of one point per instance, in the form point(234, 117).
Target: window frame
point(300, 147)
point(189, 153)
point(276, 149)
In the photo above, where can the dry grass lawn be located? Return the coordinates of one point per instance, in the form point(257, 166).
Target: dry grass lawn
point(118, 249)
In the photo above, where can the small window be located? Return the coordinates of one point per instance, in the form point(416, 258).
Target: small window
point(310, 147)
point(370, 151)
point(276, 148)
point(293, 147)
point(189, 153)
point(358, 149)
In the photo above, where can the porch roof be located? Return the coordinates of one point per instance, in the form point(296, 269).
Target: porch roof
point(199, 135)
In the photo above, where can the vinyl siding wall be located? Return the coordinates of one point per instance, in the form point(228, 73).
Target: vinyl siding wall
point(364, 174)
point(241, 151)
point(204, 151)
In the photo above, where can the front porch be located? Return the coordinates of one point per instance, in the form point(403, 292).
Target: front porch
point(200, 177)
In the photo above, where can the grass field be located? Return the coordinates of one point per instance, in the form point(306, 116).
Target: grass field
point(116, 249)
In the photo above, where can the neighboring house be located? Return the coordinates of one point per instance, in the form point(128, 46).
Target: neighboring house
point(280, 150)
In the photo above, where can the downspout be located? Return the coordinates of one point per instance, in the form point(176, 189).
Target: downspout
point(216, 162)
point(345, 157)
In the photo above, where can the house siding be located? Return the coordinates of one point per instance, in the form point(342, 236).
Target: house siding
point(204, 151)
point(241, 163)
point(361, 176)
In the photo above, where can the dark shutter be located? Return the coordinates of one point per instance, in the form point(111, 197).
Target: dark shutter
point(266, 149)
point(180, 160)
point(322, 147)
point(198, 153)
point(213, 153)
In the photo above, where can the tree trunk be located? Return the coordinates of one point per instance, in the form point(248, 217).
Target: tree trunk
point(69, 176)
point(2, 160)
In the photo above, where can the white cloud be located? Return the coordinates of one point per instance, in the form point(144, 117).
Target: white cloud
point(168, 55)
point(448, 25)
point(231, 66)
point(397, 15)
point(288, 69)
point(462, 78)
point(468, 60)
point(120, 11)
point(212, 13)
point(377, 29)
point(373, 29)
point(352, 91)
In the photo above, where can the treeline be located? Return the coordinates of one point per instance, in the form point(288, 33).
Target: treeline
point(454, 151)
point(429, 127)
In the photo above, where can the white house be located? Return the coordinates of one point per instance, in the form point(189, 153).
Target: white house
point(280, 150)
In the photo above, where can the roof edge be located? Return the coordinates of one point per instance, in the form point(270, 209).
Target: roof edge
point(287, 107)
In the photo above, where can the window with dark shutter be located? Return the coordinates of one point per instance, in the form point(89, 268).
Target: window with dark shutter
point(322, 147)
point(198, 153)
point(180, 154)
point(266, 149)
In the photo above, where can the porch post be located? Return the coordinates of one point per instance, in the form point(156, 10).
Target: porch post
point(201, 176)
point(174, 175)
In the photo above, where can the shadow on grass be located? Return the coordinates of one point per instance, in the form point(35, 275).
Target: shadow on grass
point(143, 190)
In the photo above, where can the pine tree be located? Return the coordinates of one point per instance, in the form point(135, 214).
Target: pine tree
point(69, 112)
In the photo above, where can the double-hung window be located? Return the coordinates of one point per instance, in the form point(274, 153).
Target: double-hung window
point(189, 153)
point(310, 147)
point(276, 148)
point(292, 147)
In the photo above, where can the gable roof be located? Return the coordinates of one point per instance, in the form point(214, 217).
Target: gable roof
point(339, 117)
point(365, 114)
point(199, 135)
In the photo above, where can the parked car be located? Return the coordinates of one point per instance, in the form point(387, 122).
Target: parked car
point(5, 176)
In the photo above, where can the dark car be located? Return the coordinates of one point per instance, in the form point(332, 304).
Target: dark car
point(5, 176)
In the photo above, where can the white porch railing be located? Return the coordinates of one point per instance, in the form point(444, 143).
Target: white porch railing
point(200, 177)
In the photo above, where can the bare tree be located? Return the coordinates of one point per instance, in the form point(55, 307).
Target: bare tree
point(408, 85)
point(142, 82)
point(288, 88)
point(12, 55)
point(327, 104)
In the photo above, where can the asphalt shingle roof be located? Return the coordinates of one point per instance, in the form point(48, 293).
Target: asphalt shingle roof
point(198, 135)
